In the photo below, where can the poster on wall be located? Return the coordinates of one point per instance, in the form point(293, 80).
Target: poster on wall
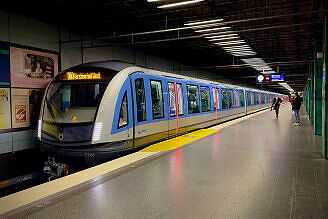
point(25, 107)
point(20, 108)
point(4, 66)
point(5, 122)
point(32, 69)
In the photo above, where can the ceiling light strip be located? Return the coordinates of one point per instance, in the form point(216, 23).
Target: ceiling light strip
point(179, 3)
point(226, 38)
point(203, 22)
point(213, 29)
point(221, 36)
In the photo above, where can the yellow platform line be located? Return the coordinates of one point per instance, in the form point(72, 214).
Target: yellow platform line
point(179, 141)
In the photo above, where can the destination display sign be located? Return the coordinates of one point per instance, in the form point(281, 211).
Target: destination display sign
point(277, 78)
point(270, 78)
point(82, 76)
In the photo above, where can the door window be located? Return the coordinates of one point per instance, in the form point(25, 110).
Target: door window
point(172, 99)
point(140, 99)
point(123, 118)
point(157, 99)
point(193, 99)
point(206, 99)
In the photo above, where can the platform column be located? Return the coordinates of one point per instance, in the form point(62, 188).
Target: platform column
point(325, 89)
point(318, 65)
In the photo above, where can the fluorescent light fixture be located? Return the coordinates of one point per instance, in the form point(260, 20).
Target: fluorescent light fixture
point(202, 22)
point(233, 52)
point(231, 42)
point(269, 72)
point(39, 129)
point(179, 3)
point(205, 26)
point(97, 131)
point(227, 38)
point(217, 33)
point(261, 67)
point(152, 0)
point(220, 36)
point(237, 47)
point(242, 54)
point(212, 29)
point(253, 61)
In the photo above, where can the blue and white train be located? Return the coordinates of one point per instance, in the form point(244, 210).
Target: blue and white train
point(97, 110)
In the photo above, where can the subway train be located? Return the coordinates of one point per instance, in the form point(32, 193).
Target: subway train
point(96, 111)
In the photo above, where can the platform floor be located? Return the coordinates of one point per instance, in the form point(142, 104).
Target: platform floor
point(262, 167)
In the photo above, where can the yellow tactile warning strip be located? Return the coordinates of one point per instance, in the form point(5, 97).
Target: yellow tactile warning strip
point(179, 141)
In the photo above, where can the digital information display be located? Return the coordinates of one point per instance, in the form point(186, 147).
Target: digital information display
point(277, 78)
point(270, 78)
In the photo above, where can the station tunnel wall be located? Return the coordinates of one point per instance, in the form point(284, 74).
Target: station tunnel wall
point(17, 31)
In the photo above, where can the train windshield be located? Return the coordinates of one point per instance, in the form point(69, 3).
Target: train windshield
point(71, 104)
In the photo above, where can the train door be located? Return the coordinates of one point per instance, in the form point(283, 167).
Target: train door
point(141, 98)
point(176, 120)
point(237, 103)
point(216, 101)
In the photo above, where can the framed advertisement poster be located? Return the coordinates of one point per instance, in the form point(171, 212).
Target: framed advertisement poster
point(4, 66)
point(5, 121)
point(25, 106)
point(32, 69)
point(20, 108)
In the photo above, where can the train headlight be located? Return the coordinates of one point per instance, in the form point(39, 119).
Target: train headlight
point(97, 131)
point(39, 129)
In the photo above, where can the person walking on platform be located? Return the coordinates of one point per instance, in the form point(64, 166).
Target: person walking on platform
point(296, 108)
point(276, 104)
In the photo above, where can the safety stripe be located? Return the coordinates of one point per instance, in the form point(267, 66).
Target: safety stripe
point(179, 141)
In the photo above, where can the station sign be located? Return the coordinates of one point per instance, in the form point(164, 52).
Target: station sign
point(269, 78)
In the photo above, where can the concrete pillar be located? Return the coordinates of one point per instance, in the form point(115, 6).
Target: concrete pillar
point(325, 88)
point(318, 65)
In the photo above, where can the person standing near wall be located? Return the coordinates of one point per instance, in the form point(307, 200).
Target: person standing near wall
point(296, 108)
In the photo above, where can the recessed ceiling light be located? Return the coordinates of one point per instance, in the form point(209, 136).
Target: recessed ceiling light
point(203, 22)
point(179, 4)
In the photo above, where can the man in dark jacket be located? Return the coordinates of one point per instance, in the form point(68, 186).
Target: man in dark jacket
point(276, 104)
point(296, 108)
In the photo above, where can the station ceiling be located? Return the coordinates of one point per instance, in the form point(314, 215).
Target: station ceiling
point(283, 33)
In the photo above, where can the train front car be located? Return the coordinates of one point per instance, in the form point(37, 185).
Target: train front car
point(77, 115)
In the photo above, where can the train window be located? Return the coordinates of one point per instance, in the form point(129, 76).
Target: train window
point(173, 101)
point(231, 103)
point(157, 99)
point(193, 99)
point(141, 100)
point(237, 98)
point(224, 98)
point(249, 98)
point(123, 119)
point(242, 98)
point(257, 99)
point(216, 97)
point(206, 99)
point(262, 98)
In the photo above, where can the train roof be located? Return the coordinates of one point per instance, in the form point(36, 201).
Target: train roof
point(118, 66)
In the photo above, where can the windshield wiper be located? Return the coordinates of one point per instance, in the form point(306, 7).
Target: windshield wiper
point(53, 115)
